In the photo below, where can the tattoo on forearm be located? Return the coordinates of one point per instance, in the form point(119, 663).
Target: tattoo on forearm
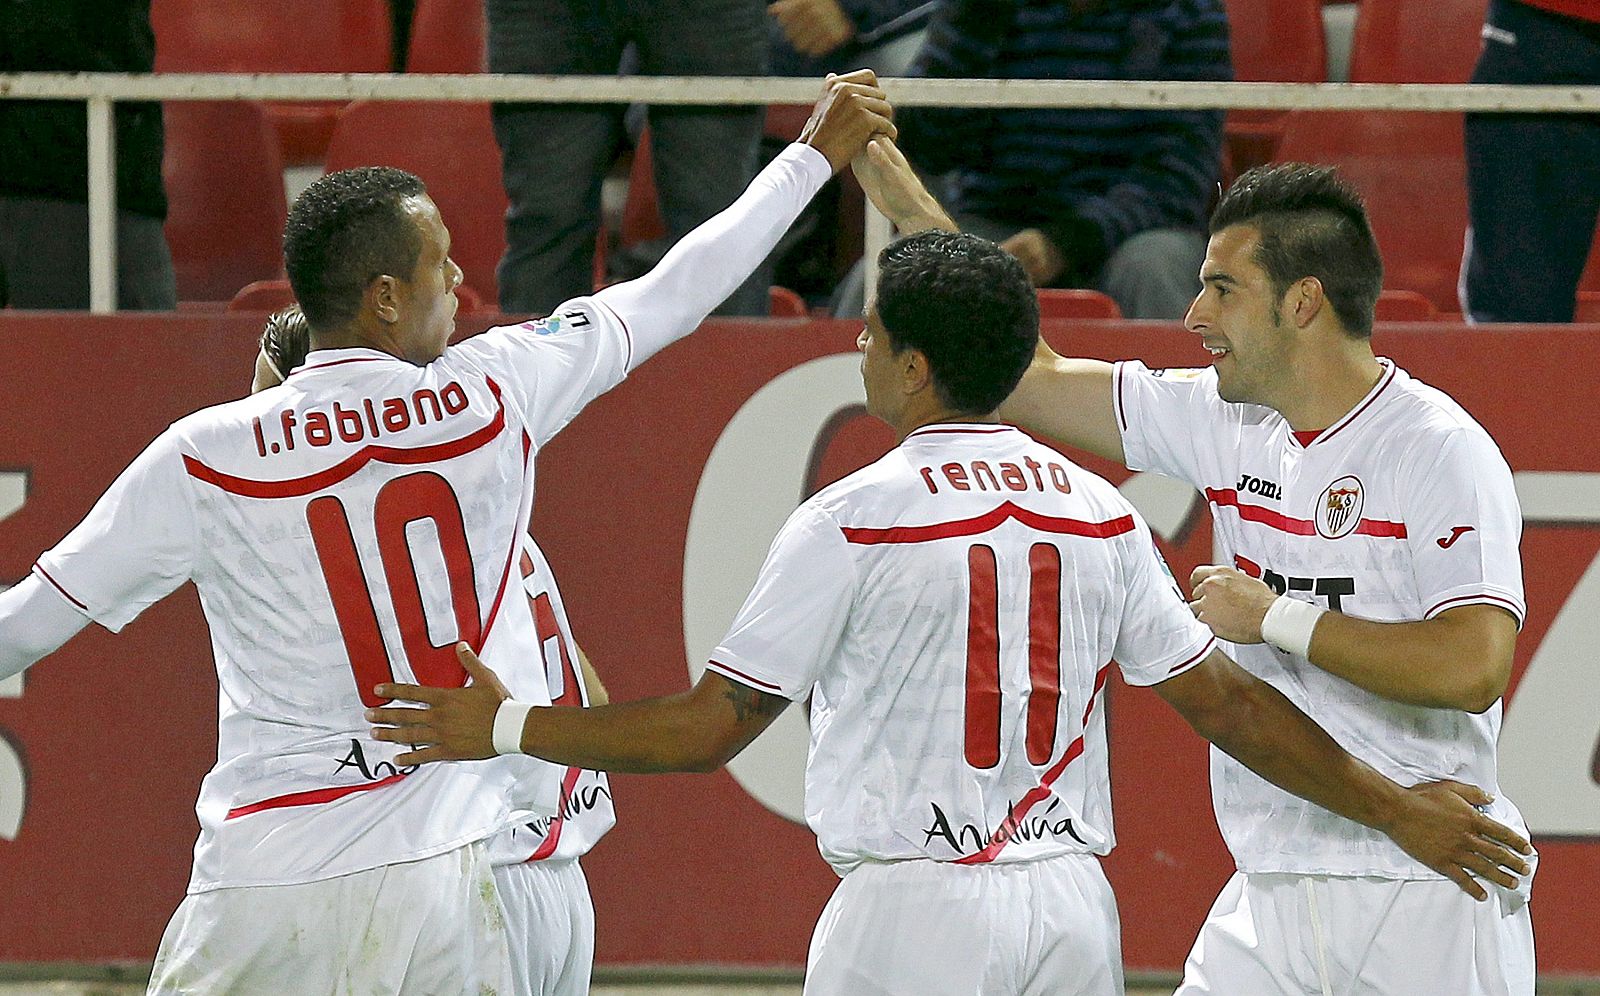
point(748, 702)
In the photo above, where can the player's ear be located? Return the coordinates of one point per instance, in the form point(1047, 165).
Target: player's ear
point(916, 374)
point(382, 298)
point(1306, 300)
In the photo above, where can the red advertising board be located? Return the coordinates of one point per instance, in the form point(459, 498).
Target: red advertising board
point(655, 508)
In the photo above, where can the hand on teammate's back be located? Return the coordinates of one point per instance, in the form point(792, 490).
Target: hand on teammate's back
point(1442, 828)
point(852, 110)
point(458, 723)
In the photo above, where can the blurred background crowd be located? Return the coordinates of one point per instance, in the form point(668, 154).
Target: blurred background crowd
point(1487, 216)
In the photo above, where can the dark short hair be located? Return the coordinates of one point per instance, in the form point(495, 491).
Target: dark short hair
point(965, 304)
point(286, 339)
point(346, 230)
point(1312, 224)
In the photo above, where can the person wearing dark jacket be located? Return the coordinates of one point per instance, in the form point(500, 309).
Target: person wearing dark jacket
point(1084, 197)
point(44, 159)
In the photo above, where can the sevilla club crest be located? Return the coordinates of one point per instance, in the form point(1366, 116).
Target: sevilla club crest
point(1339, 508)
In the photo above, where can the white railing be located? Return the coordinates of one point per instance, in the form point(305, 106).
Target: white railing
point(101, 90)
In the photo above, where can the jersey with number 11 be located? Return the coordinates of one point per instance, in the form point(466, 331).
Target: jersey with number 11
point(347, 529)
point(953, 611)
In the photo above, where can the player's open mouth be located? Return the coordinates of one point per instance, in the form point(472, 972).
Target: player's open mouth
point(1217, 352)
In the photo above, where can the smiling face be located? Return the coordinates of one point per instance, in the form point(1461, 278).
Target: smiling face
point(425, 303)
point(1240, 320)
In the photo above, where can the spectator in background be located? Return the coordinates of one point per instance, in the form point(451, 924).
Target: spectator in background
point(1533, 180)
point(1084, 197)
point(44, 159)
point(813, 37)
point(556, 155)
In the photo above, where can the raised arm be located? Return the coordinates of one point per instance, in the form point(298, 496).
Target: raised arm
point(710, 262)
point(1067, 400)
point(1434, 822)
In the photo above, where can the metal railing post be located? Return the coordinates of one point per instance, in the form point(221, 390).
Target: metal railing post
point(102, 207)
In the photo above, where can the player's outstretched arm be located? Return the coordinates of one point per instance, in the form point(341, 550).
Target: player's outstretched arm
point(34, 620)
point(698, 730)
point(1068, 400)
point(1434, 822)
point(1459, 659)
point(896, 190)
point(710, 262)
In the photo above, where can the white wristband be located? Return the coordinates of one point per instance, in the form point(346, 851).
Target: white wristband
point(508, 722)
point(1289, 623)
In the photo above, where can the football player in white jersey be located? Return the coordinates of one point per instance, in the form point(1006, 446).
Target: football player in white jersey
point(1368, 529)
point(548, 912)
point(348, 528)
point(953, 611)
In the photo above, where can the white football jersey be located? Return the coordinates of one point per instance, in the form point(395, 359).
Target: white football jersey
point(953, 611)
point(345, 529)
point(1400, 510)
point(585, 809)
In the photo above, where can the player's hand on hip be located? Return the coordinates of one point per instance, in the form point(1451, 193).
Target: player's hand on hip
point(1442, 827)
point(1231, 602)
point(853, 108)
point(456, 724)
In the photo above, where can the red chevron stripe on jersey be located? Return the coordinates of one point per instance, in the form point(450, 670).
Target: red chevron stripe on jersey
point(311, 798)
point(980, 524)
point(1040, 792)
point(1229, 498)
point(297, 487)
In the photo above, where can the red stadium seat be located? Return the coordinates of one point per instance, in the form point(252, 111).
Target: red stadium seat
point(1405, 306)
point(1588, 307)
point(1590, 281)
point(271, 295)
point(641, 212)
point(225, 191)
point(452, 147)
point(448, 36)
point(785, 303)
point(1416, 41)
point(1410, 168)
point(285, 36)
point(1056, 302)
point(1277, 41)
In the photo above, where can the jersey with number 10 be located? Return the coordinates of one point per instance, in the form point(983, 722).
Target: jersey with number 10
point(953, 610)
point(346, 529)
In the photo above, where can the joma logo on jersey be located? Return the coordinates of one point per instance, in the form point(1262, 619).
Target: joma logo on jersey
point(1258, 486)
point(1339, 508)
point(1332, 589)
point(367, 419)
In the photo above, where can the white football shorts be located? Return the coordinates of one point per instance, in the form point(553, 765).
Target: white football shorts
point(1033, 928)
point(1336, 936)
point(550, 926)
point(423, 928)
